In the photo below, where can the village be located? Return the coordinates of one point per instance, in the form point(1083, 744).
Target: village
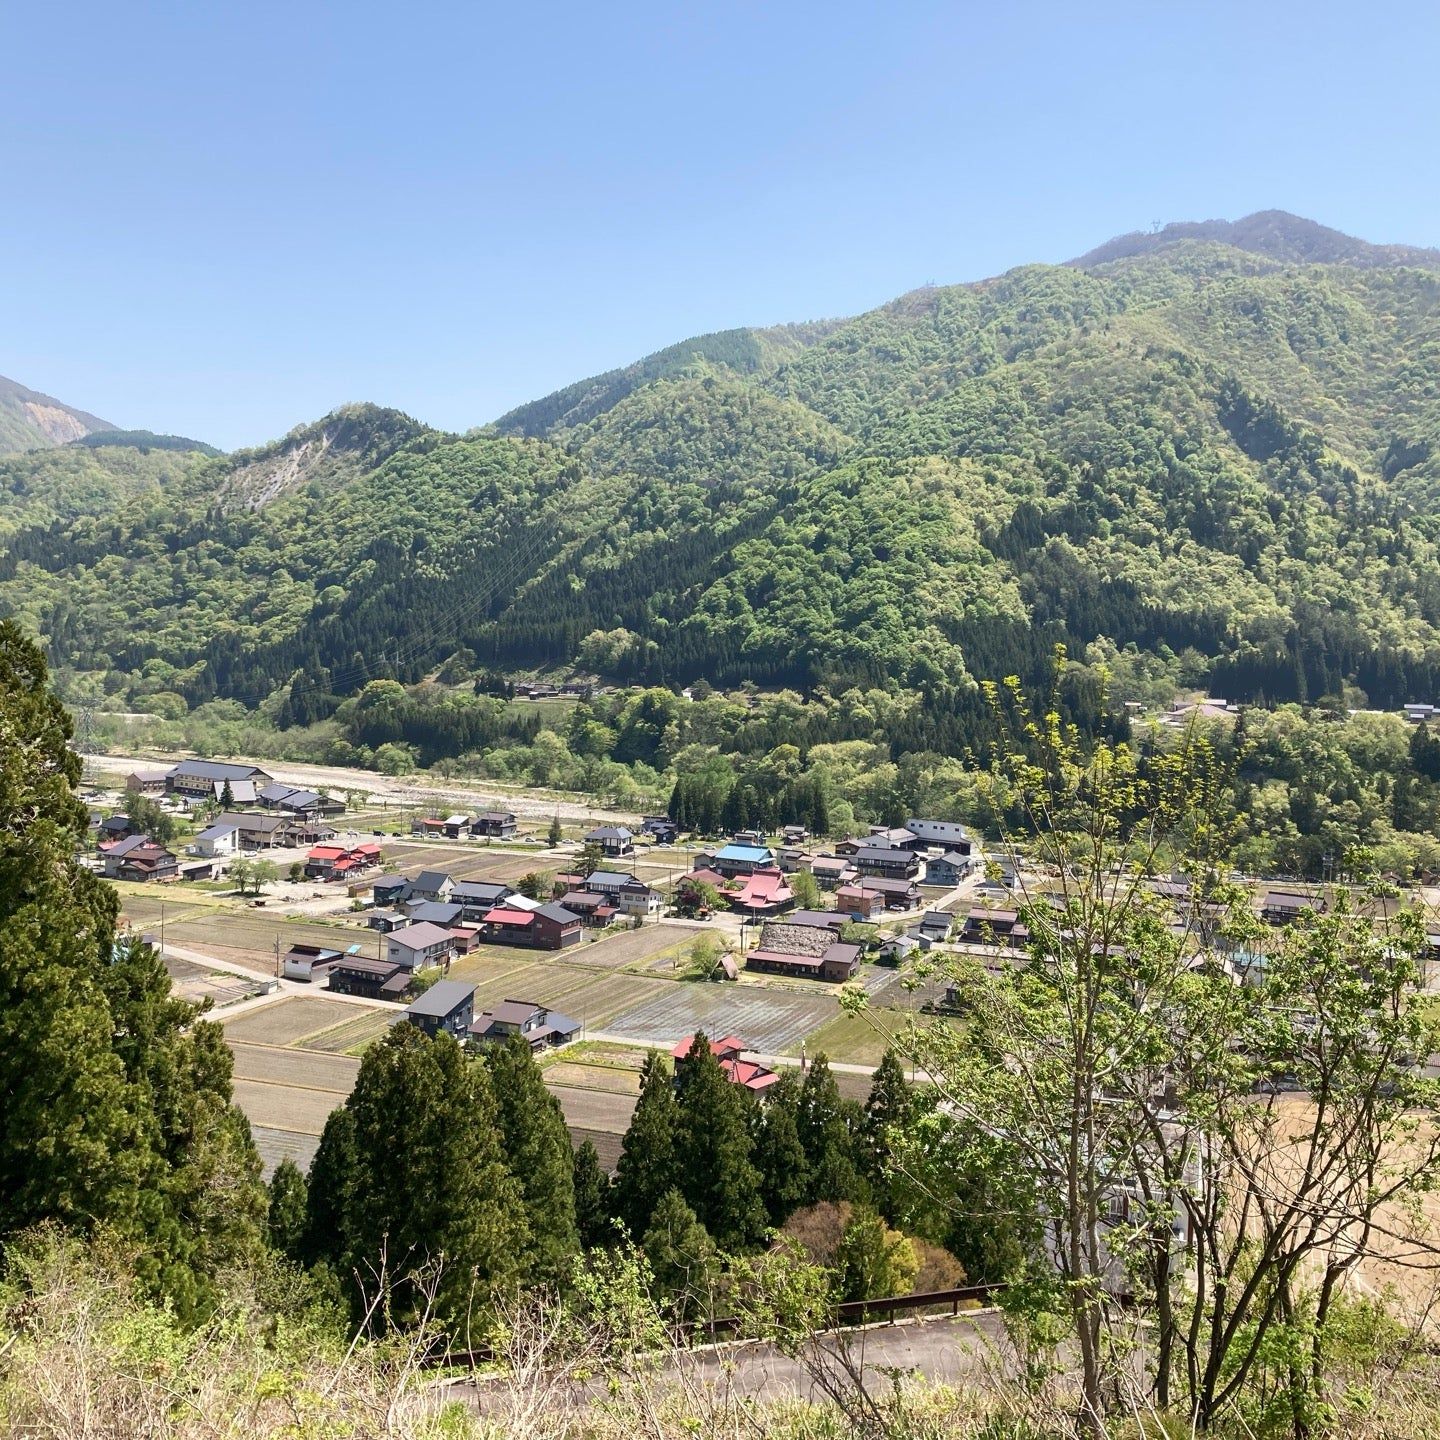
point(313, 923)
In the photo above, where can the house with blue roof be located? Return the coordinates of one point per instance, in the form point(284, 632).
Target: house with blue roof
point(732, 860)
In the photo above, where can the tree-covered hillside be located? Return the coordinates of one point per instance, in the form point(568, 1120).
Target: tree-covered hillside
point(1209, 455)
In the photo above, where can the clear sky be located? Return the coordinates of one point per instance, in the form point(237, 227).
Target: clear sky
point(222, 220)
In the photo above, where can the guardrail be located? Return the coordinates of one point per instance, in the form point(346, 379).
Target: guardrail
point(727, 1327)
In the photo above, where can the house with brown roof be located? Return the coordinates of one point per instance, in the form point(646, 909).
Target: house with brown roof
point(542, 1027)
point(138, 857)
point(374, 979)
point(494, 825)
point(807, 952)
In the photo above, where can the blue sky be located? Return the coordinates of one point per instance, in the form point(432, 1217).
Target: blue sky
point(224, 220)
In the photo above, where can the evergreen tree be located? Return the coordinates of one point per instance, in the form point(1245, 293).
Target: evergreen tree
point(778, 1155)
point(537, 1149)
point(227, 797)
point(682, 1257)
point(285, 1223)
point(646, 1168)
point(431, 1186)
point(592, 1199)
point(826, 1126)
point(888, 1112)
point(329, 1192)
point(116, 1100)
point(556, 833)
point(713, 1151)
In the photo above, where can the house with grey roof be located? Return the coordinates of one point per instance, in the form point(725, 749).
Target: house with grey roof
point(541, 1027)
point(447, 1007)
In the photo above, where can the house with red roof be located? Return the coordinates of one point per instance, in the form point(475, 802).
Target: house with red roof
point(340, 862)
point(764, 892)
point(548, 927)
point(748, 1074)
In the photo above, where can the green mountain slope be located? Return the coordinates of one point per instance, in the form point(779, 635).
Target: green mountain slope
point(29, 420)
point(1215, 451)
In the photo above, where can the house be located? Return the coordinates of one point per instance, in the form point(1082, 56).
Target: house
point(454, 826)
point(550, 927)
point(794, 834)
point(748, 837)
point(374, 979)
point(994, 927)
point(735, 860)
point(302, 961)
point(216, 840)
point(320, 863)
point(429, 825)
point(445, 913)
point(860, 904)
point(877, 839)
point(116, 827)
point(832, 871)
point(898, 894)
point(607, 882)
point(258, 832)
point(729, 1051)
point(593, 909)
point(495, 825)
point(791, 858)
point(1280, 907)
point(1421, 713)
point(416, 946)
point(887, 863)
point(386, 920)
point(615, 841)
point(447, 1007)
point(895, 948)
point(299, 802)
point(949, 835)
point(340, 862)
point(803, 951)
point(935, 926)
point(543, 1028)
point(138, 857)
point(635, 897)
point(199, 778)
point(430, 885)
point(661, 828)
point(475, 897)
point(146, 782)
point(949, 869)
point(765, 892)
point(389, 889)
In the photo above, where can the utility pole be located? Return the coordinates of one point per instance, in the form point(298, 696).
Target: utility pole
point(277, 954)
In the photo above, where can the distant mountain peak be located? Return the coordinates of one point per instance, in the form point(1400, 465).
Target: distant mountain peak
point(30, 420)
point(1276, 234)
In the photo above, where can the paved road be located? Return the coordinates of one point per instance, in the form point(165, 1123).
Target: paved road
point(945, 1350)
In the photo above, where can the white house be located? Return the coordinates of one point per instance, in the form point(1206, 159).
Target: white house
point(222, 838)
point(637, 898)
point(415, 946)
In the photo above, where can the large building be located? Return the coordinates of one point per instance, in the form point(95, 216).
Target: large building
point(206, 779)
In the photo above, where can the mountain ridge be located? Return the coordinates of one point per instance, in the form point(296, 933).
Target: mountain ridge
point(1201, 460)
point(30, 419)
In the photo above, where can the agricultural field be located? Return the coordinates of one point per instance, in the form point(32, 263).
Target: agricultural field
point(287, 1020)
point(861, 1039)
point(771, 1021)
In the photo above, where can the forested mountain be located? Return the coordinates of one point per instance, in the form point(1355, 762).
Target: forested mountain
point(1215, 451)
point(29, 419)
